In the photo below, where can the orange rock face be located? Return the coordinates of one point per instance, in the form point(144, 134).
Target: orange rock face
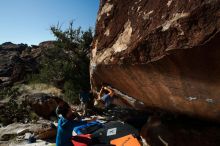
point(165, 54)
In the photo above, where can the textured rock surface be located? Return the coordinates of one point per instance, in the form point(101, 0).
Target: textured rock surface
point(18, 129)
point(44, 105)
point(15, 133)
point(162, 53)
point(16, 60)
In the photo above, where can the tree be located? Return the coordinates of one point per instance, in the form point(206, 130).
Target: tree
point(67, 64)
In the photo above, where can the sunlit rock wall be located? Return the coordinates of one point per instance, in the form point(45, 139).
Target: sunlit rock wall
point(164, 54)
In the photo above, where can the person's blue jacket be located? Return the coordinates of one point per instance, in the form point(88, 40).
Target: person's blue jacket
point(64, 131)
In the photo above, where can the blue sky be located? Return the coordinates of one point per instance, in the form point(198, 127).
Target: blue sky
point(28, 21)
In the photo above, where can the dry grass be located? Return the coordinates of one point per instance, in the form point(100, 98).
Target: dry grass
point(41, 88)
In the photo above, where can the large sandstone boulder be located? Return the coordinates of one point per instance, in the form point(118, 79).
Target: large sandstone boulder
point(164, 54)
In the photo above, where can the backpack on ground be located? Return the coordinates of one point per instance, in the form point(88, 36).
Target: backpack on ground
point(88, 128)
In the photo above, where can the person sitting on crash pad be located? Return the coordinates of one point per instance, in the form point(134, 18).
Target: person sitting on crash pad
point(106, 95)
point(66, 123)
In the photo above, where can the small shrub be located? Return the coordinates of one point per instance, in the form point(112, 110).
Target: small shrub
point(16, 112)
point(9, 92)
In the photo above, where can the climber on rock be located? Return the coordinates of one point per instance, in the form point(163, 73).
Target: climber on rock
point(105, 95)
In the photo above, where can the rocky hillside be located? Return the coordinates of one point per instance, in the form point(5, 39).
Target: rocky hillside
point(22, 106)
point(20, 102)
point(17, 60)
point(161, 54)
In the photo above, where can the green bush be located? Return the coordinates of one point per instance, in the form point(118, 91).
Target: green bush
point(67, 64)
point(8, 92)
point(15, 112)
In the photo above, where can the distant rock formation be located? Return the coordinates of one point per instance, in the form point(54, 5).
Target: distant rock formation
point(164, 54)
point(47, 44)
point(16, 60)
